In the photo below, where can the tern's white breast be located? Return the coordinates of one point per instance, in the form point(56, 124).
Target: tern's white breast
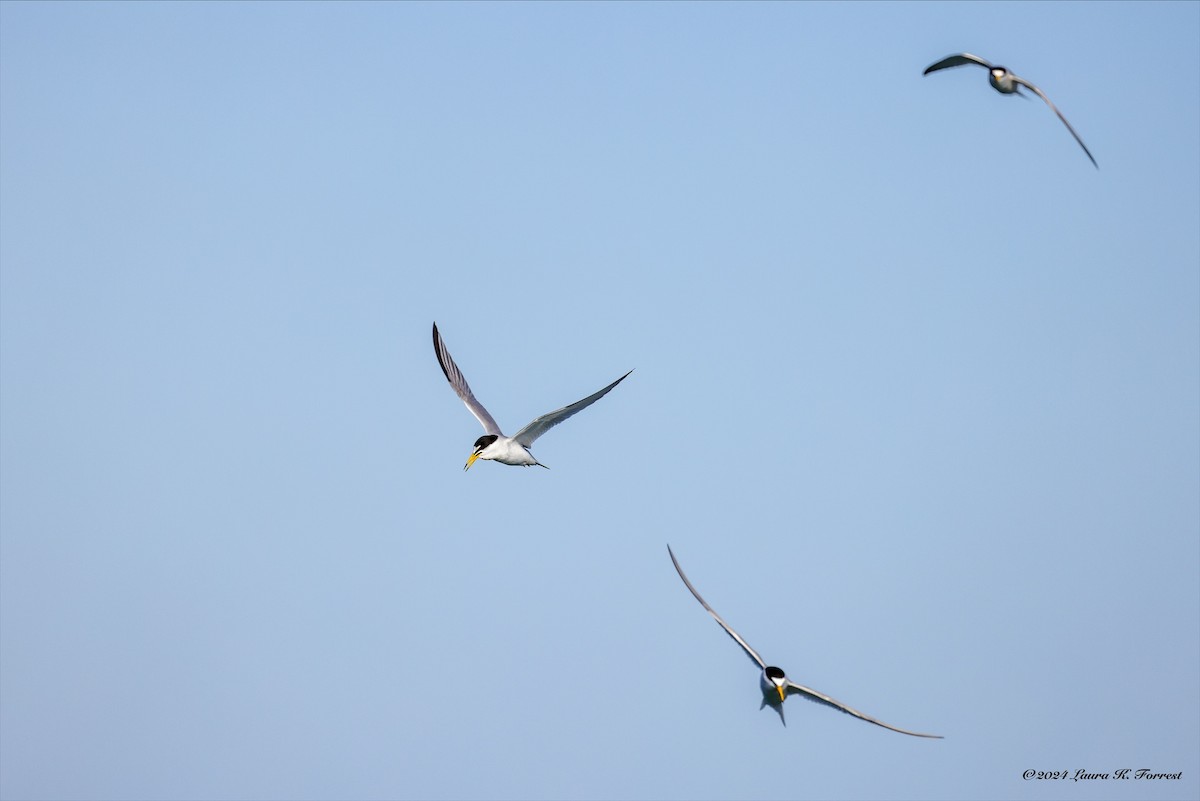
point(506, 451)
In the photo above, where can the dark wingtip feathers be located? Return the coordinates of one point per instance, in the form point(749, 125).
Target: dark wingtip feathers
point(438, 346)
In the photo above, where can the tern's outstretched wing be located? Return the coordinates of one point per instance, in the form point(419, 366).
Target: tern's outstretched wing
point(956, 61)
point(547, 421)
point(728, 630)
point(1054, 108)
point(793, 689)
point(459, 384)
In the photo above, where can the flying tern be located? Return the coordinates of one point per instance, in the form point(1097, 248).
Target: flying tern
point(494, 445)
point(1006, 83)
point(775, 685)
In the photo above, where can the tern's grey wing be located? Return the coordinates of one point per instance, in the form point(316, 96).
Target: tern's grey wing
point(1054, 108)
point(728, 630)
point(956, 61)
point(547, 421)
point(793, 688)
point(459, 384)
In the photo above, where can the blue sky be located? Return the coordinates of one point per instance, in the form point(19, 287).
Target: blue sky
point(916, 399)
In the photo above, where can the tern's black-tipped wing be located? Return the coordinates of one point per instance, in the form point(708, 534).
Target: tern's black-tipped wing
point(821, 698)
point(459, 384)
point(728, 629)
point(1054, 108)
point(956, 60)
point(547, 421)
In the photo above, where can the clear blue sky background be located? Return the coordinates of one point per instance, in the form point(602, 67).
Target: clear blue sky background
point(916, 401)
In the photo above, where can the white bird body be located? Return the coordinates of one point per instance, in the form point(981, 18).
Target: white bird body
point(1002, 81)
point(507, 450)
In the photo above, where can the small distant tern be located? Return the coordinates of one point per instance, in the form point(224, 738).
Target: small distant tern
point(1006, 83)
point(494, 445)
point(774, 684)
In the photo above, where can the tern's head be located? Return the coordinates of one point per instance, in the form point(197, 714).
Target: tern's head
point(774, 681)
point(1002, 80)
point(480, 445)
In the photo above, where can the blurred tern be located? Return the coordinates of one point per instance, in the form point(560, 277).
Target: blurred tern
point(494, 445)
point(1006, 83)
point(774, 684)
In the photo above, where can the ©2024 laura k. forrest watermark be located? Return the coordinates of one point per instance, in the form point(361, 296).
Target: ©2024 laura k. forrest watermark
point(1082, 775)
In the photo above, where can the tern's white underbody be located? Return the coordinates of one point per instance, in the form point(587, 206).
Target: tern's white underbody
point(506, 450)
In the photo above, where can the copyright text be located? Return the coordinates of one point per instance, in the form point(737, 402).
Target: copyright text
point(1083, 775)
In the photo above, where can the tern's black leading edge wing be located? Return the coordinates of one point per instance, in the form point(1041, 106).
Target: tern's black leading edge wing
point(728, 629)
point(541, 425)
point(459, 384)
point(821, 698)
point(1054, 108)
point(956, 60)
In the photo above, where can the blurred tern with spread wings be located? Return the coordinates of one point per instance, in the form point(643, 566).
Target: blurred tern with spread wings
point(494, 445)
point(776, 686)
point(1006, 83)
